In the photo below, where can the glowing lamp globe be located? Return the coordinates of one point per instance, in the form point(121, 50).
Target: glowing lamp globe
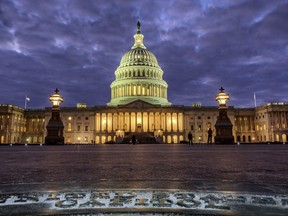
point(56, 98)
point(222, 98)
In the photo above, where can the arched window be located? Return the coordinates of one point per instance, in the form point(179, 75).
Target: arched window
point(97, 139)
point(103, 140)
point(175, 139)
point(168, 139)
point(284, 138)
point(238, 139)
point(277, 137)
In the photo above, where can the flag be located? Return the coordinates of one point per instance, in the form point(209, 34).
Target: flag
point(27, 98)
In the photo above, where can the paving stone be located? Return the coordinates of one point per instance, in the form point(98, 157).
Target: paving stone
point(180, 195)
point(210, 197)
point(190, 204)
point(91, 203)
point(126, 194)
point(142, 202)
point(284, 202)
point(100, 195)
point(3, 198)
point(236, 199)
point(53, 196)
point(66, 203)
point(116, 202)
point(123, 199)
point(220, 207)
point(75, 195)
point(159, 195)
point(263, 200)
point(27, 197)
point(161, 203)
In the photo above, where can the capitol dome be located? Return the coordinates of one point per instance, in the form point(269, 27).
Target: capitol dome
point(138, 56)
point(139, 77)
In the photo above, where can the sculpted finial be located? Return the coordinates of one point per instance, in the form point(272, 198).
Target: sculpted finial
point(138, 27)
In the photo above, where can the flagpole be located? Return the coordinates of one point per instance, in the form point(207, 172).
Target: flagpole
point(255, 100)
point(25, 106)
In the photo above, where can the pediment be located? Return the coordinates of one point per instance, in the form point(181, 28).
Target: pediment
point(138, 104)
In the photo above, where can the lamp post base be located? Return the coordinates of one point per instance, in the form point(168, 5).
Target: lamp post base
point(54, 140)
point(224, 140)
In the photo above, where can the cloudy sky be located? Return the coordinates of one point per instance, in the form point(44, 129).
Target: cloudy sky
point(201, 45)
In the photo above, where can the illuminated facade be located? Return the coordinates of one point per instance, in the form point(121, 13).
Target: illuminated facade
point(139, 106)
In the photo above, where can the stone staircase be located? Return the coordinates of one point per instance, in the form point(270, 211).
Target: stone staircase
point(141, 137)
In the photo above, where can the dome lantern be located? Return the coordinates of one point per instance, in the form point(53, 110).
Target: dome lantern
point(138, 37)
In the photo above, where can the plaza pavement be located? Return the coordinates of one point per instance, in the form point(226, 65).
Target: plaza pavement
point(159, 179)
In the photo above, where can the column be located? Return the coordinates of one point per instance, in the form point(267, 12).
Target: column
point(177, 122)
point(129, 122)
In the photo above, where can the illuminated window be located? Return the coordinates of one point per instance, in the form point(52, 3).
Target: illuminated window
point(70, 118)
point(69, 127)
point(143, 91)
point(199, 127)
point(134, 90)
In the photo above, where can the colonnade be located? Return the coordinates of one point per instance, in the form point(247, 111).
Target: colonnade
point(139, 73)
point(135, 121)
point(139, 90)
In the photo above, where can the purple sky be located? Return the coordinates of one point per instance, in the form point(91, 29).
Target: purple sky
point(77, 45)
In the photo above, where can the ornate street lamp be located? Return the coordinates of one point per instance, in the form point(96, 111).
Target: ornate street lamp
point(55, 125)
point(56, 99)
point(222, 98)
point(223, 124)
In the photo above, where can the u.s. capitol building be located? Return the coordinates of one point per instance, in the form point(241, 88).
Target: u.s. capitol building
point(139, 106)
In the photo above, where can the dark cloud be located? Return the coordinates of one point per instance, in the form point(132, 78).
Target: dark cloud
point(77, 45)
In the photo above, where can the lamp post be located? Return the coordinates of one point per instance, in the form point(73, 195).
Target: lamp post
point(55, 125)
point(223, 124)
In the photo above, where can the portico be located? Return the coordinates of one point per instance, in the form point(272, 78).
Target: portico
point(140, 117)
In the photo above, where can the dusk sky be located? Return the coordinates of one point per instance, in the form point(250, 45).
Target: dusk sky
point(201, 45)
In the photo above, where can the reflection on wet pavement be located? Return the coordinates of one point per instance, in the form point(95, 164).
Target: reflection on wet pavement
point(151, 179)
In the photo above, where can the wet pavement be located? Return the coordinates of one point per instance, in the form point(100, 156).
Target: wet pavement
point(151, 179)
